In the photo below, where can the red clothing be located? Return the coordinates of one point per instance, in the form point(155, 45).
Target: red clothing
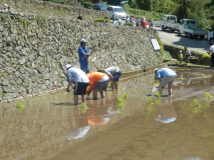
point(94, 77)
point(144, 23)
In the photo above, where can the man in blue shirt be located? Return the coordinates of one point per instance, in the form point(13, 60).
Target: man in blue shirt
point(83, 56)
point(165, 76)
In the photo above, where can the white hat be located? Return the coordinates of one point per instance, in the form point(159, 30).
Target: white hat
point(83, 41)
point(68, 66)
point(156, 70)
point(180, 51)
point(5, 5)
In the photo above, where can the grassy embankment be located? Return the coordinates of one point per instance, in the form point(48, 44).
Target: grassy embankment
point(201, 58)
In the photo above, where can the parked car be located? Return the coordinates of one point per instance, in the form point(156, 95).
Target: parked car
point(100, 6)
point(189, 27)
point(116, 12)
point(168, 22)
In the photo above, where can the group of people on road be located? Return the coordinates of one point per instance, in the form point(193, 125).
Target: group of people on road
point(97, 81)
point(6, 8)
point(137, 22)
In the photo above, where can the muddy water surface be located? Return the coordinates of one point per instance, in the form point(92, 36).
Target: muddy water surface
point(168, 128)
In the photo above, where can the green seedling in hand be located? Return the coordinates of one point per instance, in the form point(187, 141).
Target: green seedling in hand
point(150, 100)
point(209, 96)
point(196, 102)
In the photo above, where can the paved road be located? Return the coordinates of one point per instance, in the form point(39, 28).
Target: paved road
point(198, 45)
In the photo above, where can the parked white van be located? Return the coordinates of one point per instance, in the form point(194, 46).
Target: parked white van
point(116, 12)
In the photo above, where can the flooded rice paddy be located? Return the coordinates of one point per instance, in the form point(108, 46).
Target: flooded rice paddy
point(142, 126)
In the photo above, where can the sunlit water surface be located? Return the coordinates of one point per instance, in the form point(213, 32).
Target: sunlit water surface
point(143, 126)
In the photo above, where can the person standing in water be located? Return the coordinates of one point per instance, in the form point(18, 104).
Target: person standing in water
point(81, 82)
point(114, 74)
point(98, 82)
point(83, 56)
point(165, 76)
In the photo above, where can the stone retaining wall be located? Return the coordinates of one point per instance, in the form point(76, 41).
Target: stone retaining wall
point(32, 48)
point(52, 9)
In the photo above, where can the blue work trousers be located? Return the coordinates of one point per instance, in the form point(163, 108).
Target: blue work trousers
point(84, 66)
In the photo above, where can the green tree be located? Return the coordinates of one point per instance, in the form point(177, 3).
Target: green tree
point(113, 2)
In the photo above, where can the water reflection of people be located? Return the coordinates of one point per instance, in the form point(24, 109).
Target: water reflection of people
point(166, 112)
point(98, 113)
point(80, 127)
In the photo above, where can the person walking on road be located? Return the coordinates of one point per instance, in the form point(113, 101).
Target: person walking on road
point(150, 24)
point(165, 76)
point(144, 23)
point(137, 22)
point(5, 7)
point(127, 19)
point(119, 21)
point(83, 56)
point(134, 23)
point(81, 82)
point(113, 21)
point(211, 51)
point(98, 81)
point(187, 54)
